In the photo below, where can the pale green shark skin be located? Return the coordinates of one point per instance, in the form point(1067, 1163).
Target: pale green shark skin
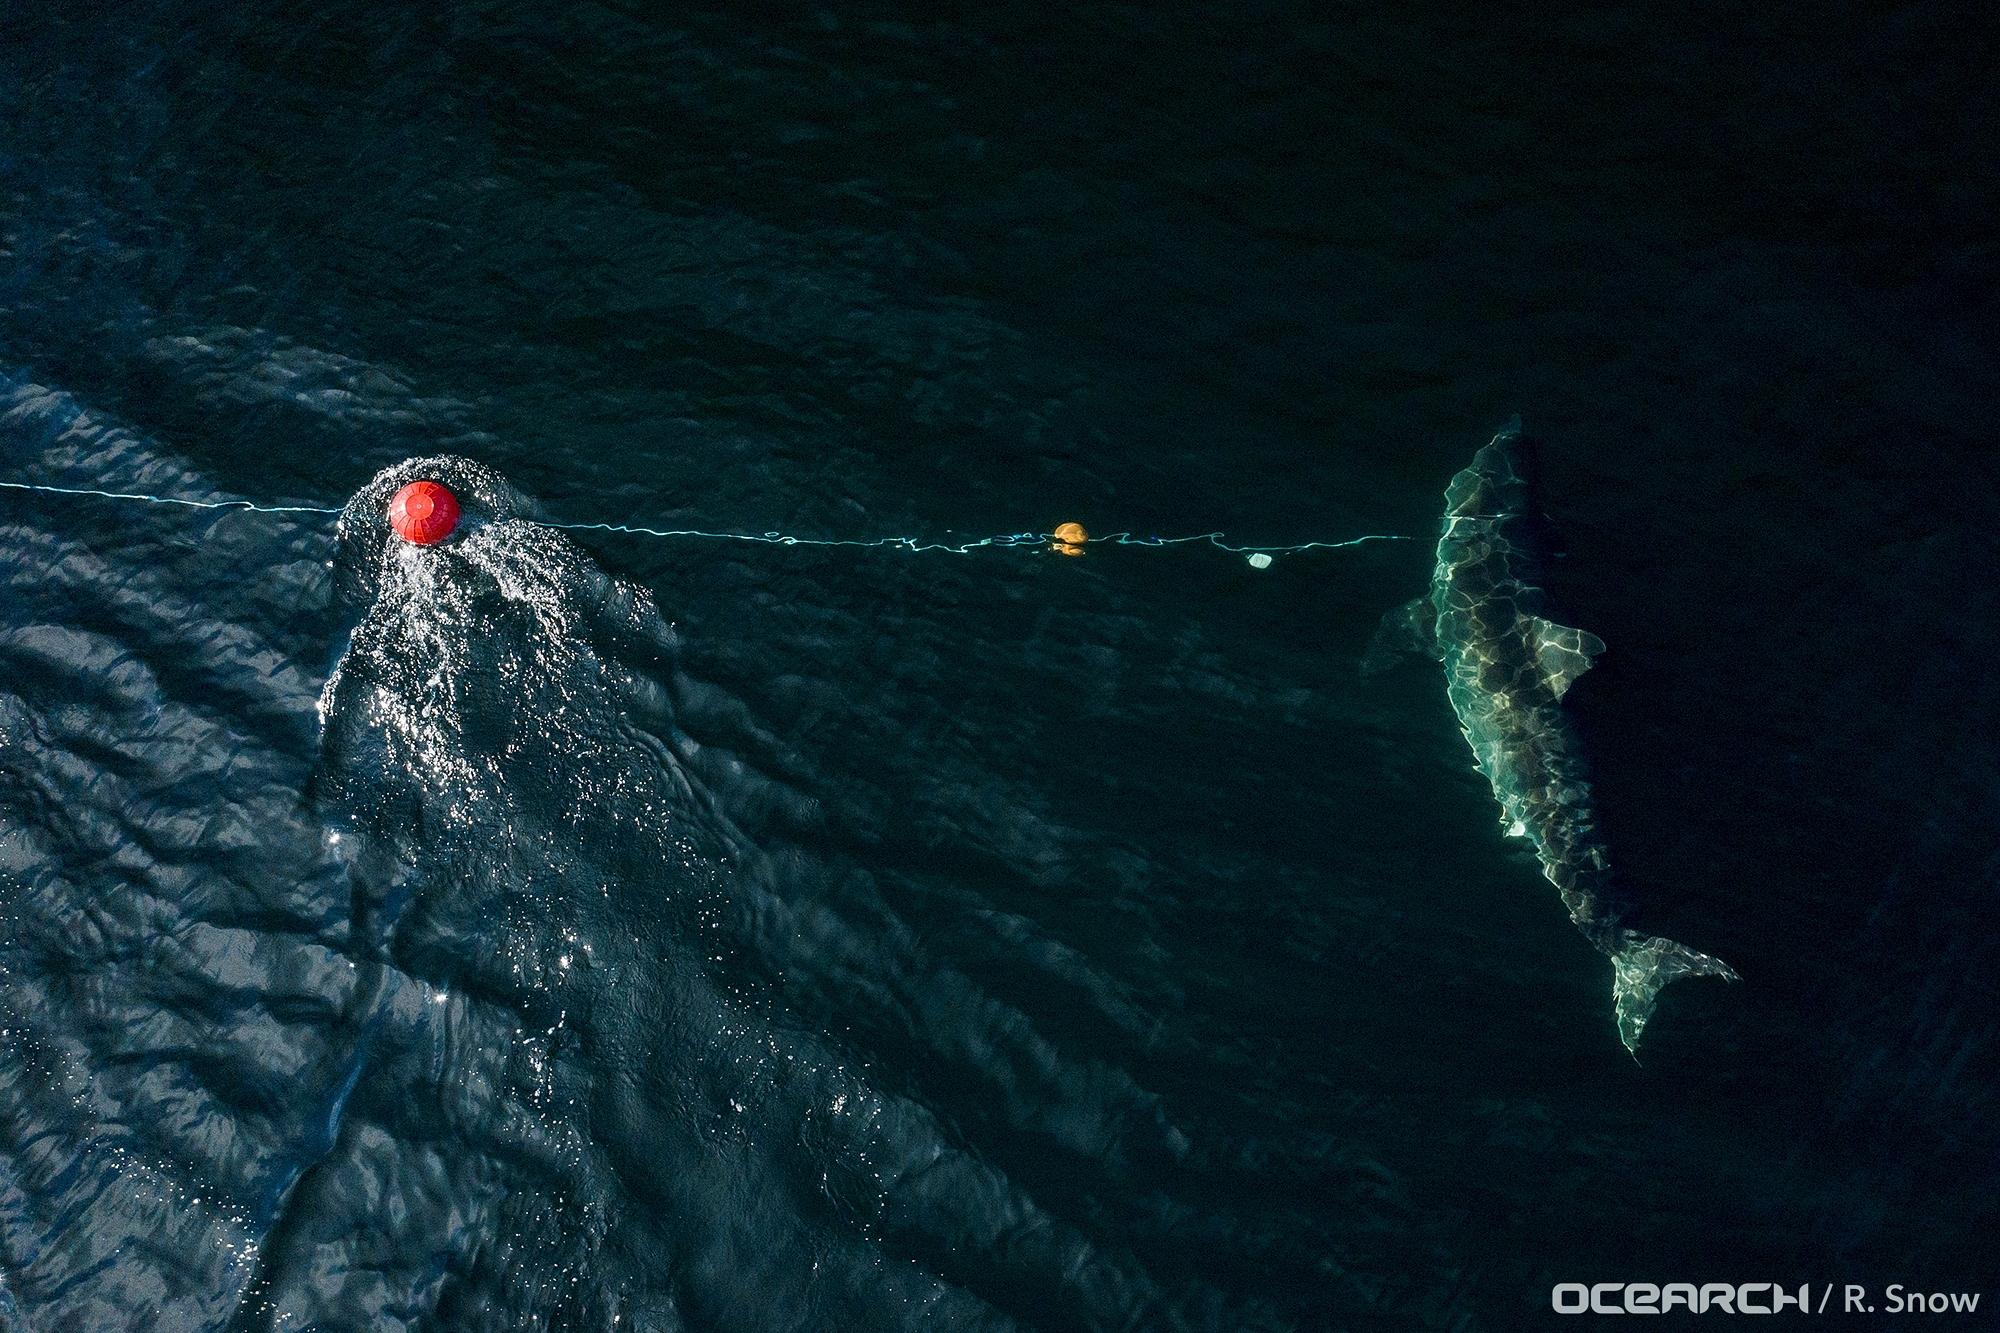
point(1507, 666)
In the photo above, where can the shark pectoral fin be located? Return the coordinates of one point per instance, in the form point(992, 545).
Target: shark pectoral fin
point(1563, 653)
point(1409, 630)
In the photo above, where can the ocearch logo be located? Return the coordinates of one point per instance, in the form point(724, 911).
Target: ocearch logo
point(1655, 1298)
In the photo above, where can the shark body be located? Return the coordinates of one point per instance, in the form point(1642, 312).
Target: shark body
point(1507, 667)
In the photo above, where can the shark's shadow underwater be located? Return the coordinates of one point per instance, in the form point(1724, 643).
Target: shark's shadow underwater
point(1507, 666)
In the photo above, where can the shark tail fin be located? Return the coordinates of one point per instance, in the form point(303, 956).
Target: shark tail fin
point(1641, 969)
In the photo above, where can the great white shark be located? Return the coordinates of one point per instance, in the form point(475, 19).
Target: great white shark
point(1507, 666)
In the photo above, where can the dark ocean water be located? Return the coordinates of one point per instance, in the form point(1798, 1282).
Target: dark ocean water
point(678, 934)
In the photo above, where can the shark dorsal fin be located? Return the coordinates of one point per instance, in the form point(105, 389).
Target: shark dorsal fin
point(1562, 653)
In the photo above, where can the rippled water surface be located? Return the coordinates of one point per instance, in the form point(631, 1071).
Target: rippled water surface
point(576, 929)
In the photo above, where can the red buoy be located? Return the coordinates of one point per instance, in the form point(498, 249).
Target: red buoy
point(423, 513)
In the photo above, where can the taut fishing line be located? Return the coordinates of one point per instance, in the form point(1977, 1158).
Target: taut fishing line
point(1068, 539)
point(166, 499)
